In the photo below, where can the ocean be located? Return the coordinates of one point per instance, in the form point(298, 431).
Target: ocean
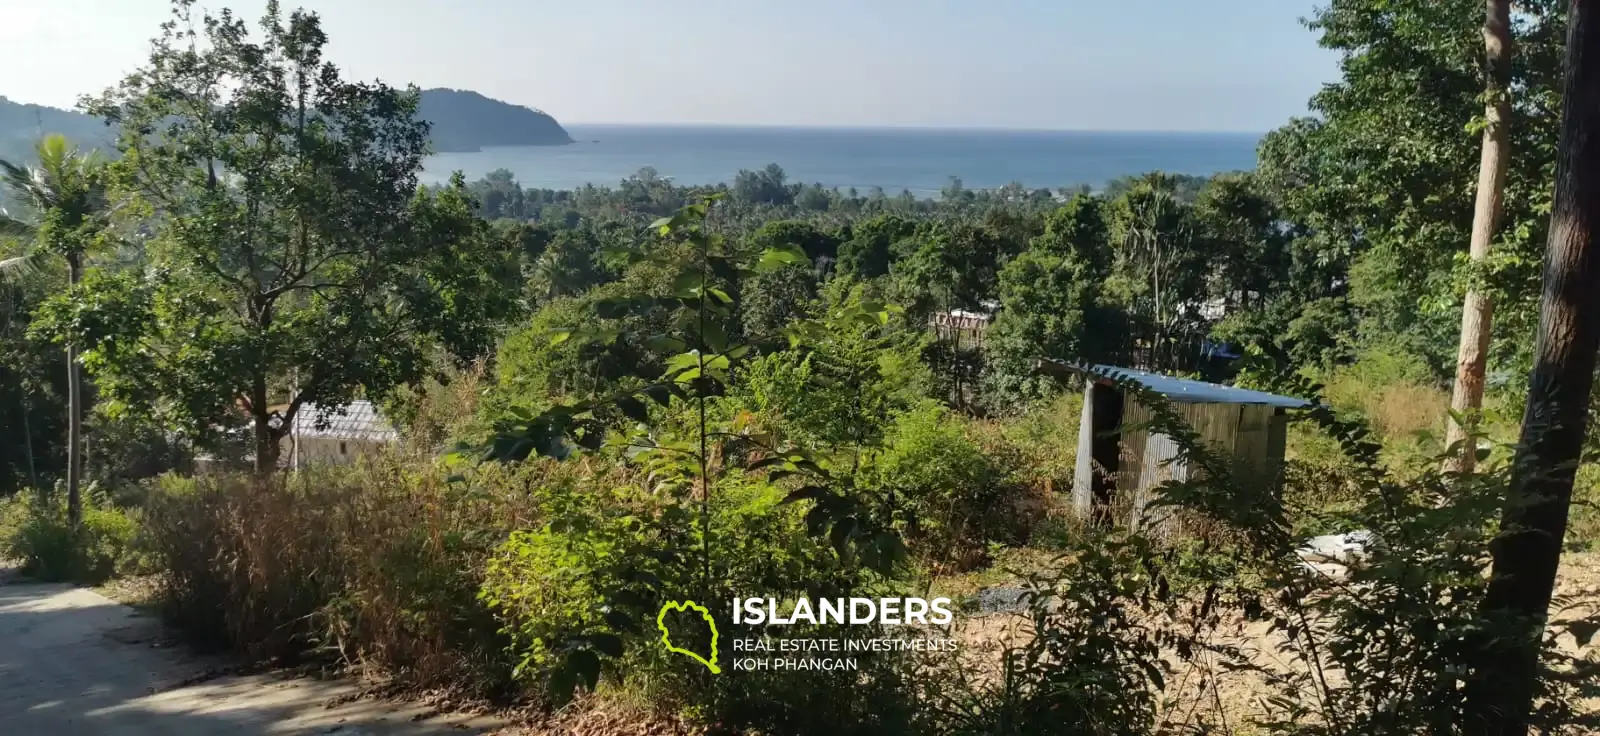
point(916, 159)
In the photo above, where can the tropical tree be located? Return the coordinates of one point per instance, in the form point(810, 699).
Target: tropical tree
point(1382, 182)
point(1555, 419)
point(1050, 303)
point(297, 262)
point(870, 247)
point(66, 199)
point(1156, 273)
point(767, 186)
point(1477, 311)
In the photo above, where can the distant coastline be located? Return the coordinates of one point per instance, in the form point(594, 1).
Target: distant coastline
point(919, 160)
point(467, 122)
point(462, 121)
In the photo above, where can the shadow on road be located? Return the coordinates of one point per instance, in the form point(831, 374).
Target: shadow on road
point(74, 662)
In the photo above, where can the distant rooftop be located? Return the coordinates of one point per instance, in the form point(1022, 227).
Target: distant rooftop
point(1190, 391)
point(357, 420)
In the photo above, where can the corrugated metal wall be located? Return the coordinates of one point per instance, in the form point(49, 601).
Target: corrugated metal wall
point(1251, 436)
point(1083, 470)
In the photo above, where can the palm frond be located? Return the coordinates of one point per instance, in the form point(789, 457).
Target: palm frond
point(16, 177)
point(55, 155)
point(28, 184)
point(18, 267)
point(11, 226)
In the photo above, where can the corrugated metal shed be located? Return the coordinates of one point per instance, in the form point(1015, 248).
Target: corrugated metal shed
point(357, 420)
point(1190, 391)
point(1121, 463)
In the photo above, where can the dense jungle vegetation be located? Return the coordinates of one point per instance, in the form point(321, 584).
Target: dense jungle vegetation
point(613, 397)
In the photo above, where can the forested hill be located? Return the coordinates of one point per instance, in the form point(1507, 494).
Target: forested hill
point(21, 126)
point(462, 121)
point(466, 121)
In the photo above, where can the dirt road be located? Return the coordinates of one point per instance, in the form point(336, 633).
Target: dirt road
point(75, 662)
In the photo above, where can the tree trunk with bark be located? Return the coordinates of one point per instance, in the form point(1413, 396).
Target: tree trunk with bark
point(74, 414)
point(1533, 525)
point(1477, 311)
point(265, 437)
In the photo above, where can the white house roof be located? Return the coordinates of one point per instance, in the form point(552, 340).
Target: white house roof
point(357, 420)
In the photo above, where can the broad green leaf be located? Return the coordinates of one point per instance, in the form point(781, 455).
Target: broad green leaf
point(714, 337)
point(808, 492)
point(688, 285)
point(682, 361)
point(633, 409)
point(665, 344)
point(780, 257)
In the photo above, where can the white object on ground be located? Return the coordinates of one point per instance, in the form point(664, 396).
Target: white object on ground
point(1346, 547)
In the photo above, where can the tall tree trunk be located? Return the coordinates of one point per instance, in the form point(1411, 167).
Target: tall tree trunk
point(27, 438)
point(1534, 522)
point(1477, 312)
point(74, 414)
point(266, 440)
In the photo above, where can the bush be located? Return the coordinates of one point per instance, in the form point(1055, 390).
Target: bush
point(1396, 395)
point(962, 495)
point(1093, 659)
point(36, 533)
point(592, 577)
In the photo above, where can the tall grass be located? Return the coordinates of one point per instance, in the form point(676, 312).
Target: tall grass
point(375, 565)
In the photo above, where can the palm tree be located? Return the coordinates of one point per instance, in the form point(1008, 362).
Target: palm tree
point(65, 196)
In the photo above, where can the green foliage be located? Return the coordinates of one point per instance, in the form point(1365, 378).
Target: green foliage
point(1094, 662)
point(586, 585)
point(33, 393)
point(1046, 433)
point(751, 413)
point(767, 186)
point(1406, 623)
point(636, 563)
point(63, 198)
point(960, 496)
point(35, 531)
point(841, 388)
point(296, 263)
point(568, 265)
point(947, 265)
point(1052, 304)
point(1382, 181)
point(869, 251)
point(540, 363)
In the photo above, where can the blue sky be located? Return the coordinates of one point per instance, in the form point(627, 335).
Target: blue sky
point(1239, 65)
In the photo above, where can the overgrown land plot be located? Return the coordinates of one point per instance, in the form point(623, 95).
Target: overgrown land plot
point(476, 439)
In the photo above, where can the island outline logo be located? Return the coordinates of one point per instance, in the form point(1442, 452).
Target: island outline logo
point(666, 636)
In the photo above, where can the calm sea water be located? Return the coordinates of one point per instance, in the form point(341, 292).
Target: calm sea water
point(920, 160)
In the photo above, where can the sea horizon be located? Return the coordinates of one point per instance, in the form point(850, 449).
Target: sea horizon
point(921, 160)
point(914, 128)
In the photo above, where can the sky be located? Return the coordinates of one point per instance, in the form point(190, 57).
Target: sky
point(1196, 65)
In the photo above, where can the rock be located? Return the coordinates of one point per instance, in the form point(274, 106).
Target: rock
point(1346, 547)
point(998, 599)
